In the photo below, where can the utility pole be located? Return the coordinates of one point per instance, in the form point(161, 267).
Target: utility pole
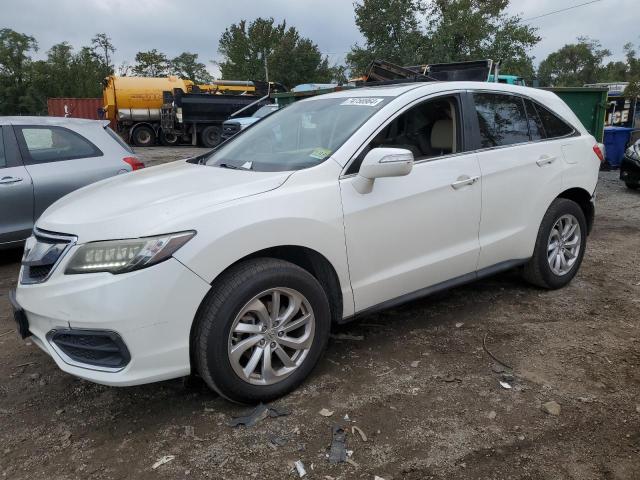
point(266, 65)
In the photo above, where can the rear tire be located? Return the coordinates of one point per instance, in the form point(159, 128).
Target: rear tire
point(560, 246)
point(211, 136)
point(237, 330)
point(169, 139)
point(632, 186)
point(143, 136)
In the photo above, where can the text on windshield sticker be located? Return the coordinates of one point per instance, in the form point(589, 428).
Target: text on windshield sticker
point(363, 101)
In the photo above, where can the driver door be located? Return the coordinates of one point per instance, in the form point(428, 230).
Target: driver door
point(410, 234)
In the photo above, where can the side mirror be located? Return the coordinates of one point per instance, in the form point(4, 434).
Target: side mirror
point(382, 162)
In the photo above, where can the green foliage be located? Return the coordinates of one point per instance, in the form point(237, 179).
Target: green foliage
point(15, 64)
point(250, 50)
point(186, 66)
point(414, 32)
point(574, 64)
point(151, 64)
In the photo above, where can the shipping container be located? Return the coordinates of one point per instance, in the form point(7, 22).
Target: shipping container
point(75, 107)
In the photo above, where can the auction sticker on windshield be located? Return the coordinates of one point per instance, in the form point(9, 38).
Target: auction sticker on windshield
point(363, 101)
point(320, 153)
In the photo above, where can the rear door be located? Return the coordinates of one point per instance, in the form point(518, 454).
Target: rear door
point(521, 175)
point(61, 160)
point(16, 191)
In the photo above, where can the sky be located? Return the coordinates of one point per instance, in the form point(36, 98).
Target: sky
point(196, 25)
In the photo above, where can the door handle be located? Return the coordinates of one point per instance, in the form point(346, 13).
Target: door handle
point(9, 180)
point(545, 160)
point(464, 180)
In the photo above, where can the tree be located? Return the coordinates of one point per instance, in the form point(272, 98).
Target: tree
point(186, 66)
point(151, 64)
point(15, 64)
point(415, 32)
point(574, 64)
point(251, 51)
point(101, 49)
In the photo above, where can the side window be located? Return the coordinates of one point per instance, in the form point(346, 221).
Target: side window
point(536, 129)
point(3, 156)
point(502, 119)
point(553, 126)
point(52, 144)
point(430, 129)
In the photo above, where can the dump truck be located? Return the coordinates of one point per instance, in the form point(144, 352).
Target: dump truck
point(197, 117)
point(133, 104)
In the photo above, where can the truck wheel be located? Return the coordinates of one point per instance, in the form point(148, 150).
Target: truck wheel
point(560, 246)
point(211, 136)
point(143, 136)
point(261, 330)
point(169, 139)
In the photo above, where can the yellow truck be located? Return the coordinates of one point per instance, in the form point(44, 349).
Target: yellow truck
point(134, 104)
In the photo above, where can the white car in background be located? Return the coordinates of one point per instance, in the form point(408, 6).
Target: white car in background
point(234, 126)
point(235, 264)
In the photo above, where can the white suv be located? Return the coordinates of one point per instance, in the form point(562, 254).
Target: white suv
point(235, 264)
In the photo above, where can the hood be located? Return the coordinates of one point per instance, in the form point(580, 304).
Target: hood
point(152, 201)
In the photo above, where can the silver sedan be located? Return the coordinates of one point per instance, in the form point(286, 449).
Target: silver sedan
point(44, 158)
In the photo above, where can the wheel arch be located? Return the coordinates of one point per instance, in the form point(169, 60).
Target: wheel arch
point(304, 257)
point(584, 200)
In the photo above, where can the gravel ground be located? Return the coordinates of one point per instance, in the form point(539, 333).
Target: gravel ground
point(414, 379)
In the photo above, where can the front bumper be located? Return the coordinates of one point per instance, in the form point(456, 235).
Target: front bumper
point(150, 310)
point(630, 170)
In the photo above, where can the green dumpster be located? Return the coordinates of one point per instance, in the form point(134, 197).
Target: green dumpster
point(588, 103)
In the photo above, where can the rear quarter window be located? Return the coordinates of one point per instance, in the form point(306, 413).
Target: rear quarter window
point(554, 127)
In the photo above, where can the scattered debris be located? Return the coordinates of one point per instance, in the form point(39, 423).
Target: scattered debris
point(300, 468)
point(484, 346)
point(491, 415)
point(325, 412)
point(386, 373)
point(277, 441)
point(338, 450)
point(353, 463)
point(26, 364)
point(508, 377)
point(355, 429)
point(521, 437)
point(346, 417)
point(552, 408)
point(261, 412)
point(6, 333)
point(190, 432)
point(162, 461)
point(497, 368)
point(346, 336)
point(459, 324)
point(450, 379)
point(376, 477)
point(415, 363)
point(505, 385)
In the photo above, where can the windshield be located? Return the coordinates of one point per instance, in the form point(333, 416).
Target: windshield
point(299, 136)
point(264, 111)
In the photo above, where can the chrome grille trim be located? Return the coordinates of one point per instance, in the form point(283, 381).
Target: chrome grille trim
point(46, 237)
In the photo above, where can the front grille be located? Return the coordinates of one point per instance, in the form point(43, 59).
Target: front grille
point(42, 252)
point(91, 348)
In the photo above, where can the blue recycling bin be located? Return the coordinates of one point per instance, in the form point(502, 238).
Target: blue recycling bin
point(615, 142)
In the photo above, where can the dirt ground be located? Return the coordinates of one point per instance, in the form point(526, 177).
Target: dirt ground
point(414, 379)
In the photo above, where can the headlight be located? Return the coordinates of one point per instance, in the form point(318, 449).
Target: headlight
point(120, 256)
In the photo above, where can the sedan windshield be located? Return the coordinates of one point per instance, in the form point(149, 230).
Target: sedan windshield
point(299, 136)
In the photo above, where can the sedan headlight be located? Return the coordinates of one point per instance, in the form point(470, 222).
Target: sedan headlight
point(120, 256)
point(633, 152)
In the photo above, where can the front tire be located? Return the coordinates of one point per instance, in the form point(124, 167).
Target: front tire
point(560, 246)
point(261, 330)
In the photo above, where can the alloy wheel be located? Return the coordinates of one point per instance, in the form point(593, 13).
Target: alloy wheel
point(564, 244)
point(271, 336)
